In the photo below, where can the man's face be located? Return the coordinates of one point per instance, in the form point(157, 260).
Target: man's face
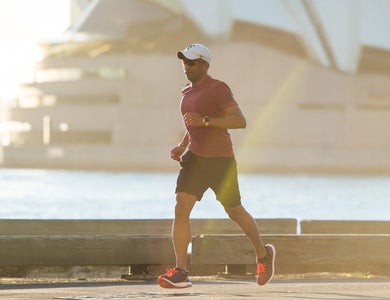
point(194, 69)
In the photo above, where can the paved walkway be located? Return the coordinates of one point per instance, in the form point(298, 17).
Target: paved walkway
point(313, 289)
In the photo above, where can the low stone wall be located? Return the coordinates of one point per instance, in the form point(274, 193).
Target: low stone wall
point(28, 247)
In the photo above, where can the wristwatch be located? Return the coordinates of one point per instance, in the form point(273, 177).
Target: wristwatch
point(206, 121)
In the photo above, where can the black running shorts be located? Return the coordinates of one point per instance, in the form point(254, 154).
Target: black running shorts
point(197, 174)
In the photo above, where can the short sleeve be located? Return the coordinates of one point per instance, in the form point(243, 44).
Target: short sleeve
point(224, 96)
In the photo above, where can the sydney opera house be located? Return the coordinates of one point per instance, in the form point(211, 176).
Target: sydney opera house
point(312, 78)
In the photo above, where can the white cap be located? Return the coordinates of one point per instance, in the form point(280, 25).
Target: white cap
point(195, 51)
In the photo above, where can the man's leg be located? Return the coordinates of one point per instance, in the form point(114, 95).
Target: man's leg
point(265, 254)
point(181, 230)
point(248, 225)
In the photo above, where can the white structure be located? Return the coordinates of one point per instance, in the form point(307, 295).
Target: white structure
point(312, 78)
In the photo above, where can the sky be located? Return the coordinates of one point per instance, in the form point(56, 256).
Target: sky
point(23, 23)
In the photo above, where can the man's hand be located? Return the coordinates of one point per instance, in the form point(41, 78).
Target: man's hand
point(177, 152)
point(193, 119)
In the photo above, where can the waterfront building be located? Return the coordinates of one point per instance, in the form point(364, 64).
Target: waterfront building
point(314, 88)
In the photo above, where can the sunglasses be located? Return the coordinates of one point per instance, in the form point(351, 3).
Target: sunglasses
point(191, 62)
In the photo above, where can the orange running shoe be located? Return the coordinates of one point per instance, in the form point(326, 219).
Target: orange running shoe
point(174, 279)
point(266, 267)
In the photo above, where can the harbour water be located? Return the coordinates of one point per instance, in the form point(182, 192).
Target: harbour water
point(60, 194)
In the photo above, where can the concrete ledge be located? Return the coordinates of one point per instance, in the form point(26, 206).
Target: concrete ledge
point(344, 227)
point(150, 226)
point(300, 253)
point(226, 226)
point(295, 253)
point(86, 250)
point(306, 253)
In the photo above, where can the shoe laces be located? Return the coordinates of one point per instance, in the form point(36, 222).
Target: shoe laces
point(170, 271)
point(261, 268)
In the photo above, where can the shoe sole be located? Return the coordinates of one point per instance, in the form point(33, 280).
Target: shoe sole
point(166, 284)
point(273, 263)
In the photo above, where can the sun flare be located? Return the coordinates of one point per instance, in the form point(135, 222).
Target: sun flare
point(23, 24)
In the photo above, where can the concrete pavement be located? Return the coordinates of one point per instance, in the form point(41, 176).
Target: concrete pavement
point(204, 288)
